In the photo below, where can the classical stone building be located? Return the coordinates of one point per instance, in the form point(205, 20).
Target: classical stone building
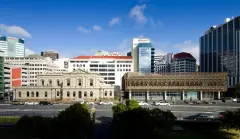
point(177, 86)
point(76, 85)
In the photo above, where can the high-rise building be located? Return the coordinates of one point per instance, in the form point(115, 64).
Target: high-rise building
point(220, 50)
point(1, 73)
point(143, 55)
point(162, 63)
point(183, 62)
point(52, 54)
point(12, 47)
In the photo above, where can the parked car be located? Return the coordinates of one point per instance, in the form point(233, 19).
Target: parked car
point(203, 117)
point(105, 103)
point(161, 103)
point(31, 103)
point(17, 103)
point(141, 103)
point(234, 100)
point(45, 103)
point(88, 103)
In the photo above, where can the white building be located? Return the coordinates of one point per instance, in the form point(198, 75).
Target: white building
point(62, 63)
point(12, 47)
point(112, 68)
point(162, 63)
point(34, 65)
point(134, 53)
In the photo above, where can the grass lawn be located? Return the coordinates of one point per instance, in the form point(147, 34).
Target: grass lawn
point(9, 119)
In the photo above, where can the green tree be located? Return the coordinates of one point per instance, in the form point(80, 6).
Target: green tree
point(132, 104)
point(231, 119)
point(237, 90)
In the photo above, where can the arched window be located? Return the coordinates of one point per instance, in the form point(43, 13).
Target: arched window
point(42, 82)
point(32, 94)
point(58, 83)
point(79, 94)
point(85, 94)
point(91, 82)
point(46, 94)
point(58, 93)
point(68, 94)
point(68, 82)
point(19, 94)
point(79, 82)
point(110, 93)
point(37, 94)
point(74, 94)
point(50, 82)
point(91, 94)
point(105, 93)
point(27, 94)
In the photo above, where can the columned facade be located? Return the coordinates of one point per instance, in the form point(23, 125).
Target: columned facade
point(175, 86)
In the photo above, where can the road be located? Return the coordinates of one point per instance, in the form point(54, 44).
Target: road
point(105, 112)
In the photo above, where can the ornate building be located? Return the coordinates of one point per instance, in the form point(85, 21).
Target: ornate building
point(178, 86)
point(76, 85)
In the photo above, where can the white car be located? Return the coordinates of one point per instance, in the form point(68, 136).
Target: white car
point(88, 103)
point(31, 103)
point(142, 103)
point(105, 103)
point(161, 103)
point(234, 100)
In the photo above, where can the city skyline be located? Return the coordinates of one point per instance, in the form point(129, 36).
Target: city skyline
point(51, 25)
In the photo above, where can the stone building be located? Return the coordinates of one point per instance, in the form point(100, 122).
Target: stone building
point(76, 85)
point(177, 86)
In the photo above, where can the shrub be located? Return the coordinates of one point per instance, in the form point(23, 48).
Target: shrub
point(132, 104)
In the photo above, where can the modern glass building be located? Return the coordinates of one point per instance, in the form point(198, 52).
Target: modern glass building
point(12, 47)
point(145, 58)
point(220, 50)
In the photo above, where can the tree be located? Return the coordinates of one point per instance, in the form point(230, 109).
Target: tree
point(232, 120)
point(132, 104)
point(237, 91)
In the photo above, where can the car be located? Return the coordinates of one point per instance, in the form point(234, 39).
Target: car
point(234, 100)
point(105, 103)
point(203, 117)
point(88, 103)
point(17, 103)
point(161, 103)
point(141, 103)
point(45, 103)
point(31, 103)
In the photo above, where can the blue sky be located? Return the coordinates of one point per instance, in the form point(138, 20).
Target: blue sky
point(80, 27)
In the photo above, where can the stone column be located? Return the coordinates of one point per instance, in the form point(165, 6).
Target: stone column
point(165, 95)
point(183, 95)
point(130, 94)
point(219, 95)
point(200, 95)
point(147, 95)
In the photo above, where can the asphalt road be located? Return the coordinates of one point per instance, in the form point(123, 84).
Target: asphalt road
point(105, 112)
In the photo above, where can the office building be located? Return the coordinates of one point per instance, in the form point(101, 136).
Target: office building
point(220, 50)
point(162, 63)
point(143, 55)
point(1, 73)
point(52, 54)
point(12, 47)
point(77, 85)
point(111, 68)
point(183, 62)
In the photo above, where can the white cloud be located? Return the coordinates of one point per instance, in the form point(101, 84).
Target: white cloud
point(114, 21)
point(137, 14)
point(83, 30)
point(15, 30)
point(189, 47)
point(97, 28)
point(29, 52)
point(71, 53)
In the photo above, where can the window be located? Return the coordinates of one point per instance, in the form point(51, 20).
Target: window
point(32, 94)
point(79, 82)
point(91, 82)
point(79, 94)
point(58, 83)
point(50, 82)
point(74, 94)
point(27, 94)
point(110, 93)
point(19, 94)
point(91, 94)
point(68, 94)
point(68, 82)
point(105, 93)
point(57, 93)
point(46, 94)
point(37, 94)
point(85, 94)
point(42, 82)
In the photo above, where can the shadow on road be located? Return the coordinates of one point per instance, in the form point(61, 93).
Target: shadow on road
point(101, 129)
